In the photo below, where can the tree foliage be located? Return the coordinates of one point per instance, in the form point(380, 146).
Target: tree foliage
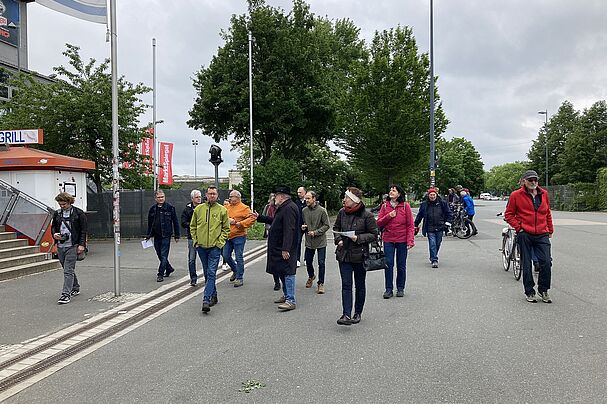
point(577, 145)
point(384, 117)
point(299, 62)
point(75, 114)
point(503, 179)
point(459, 164)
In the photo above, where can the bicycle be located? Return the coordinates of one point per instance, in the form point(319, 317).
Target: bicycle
point(511, 255)
point(461, 226)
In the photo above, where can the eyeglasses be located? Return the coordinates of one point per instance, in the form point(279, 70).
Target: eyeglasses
point(531, 179)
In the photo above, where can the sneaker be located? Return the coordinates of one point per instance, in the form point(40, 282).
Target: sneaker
point(531, 298)
point(545, 297)
point(400, 293)
point(64, 299)
point(192, 283)
point(75, 293)
point(159, 278)
point(321, 289)
point(238, 283)
point(344, 320)
point(281, 299)
point(286, 306)
point(434, 264)
point(214, 301)
point(233, 277)
point(169, 272)
point(206, 307)
point(356, 318)
point(310, 281)
point(277, 286)
point(388, 294)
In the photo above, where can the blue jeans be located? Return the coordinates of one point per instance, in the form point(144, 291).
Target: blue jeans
point(435, 239)
point(162, 245)
point(541, 245)
point(235, 244)
point(322, 255)
point(288, 287)
point(192, 260)
point(400, 249)
point(210, 262)
point(346, 270)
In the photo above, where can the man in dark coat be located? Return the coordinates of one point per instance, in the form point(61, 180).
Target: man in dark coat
point(283, 238)
point(162, 225)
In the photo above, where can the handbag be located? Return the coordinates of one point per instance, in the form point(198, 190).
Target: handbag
point(376, 259)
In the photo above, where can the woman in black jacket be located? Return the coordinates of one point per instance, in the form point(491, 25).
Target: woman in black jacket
point(352, 250)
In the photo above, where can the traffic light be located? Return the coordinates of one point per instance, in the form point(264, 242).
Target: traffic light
point(215, 152)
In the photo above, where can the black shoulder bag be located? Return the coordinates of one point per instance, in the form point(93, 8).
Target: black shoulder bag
point(376, 259)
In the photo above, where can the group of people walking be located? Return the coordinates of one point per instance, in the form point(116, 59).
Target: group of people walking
point(214, 229)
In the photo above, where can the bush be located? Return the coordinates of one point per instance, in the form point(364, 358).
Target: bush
point(256, 231)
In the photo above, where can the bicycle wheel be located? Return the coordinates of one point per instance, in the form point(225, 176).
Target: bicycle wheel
point(506, 249)
point(515, 257)
point(465, 230)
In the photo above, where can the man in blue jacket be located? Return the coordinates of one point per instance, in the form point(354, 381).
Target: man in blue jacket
point(436, 215)
point(162, 222)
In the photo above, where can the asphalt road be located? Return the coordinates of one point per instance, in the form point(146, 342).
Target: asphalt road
point(462, 333)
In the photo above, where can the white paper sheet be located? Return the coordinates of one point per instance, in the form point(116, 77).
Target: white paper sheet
point(147, 243)
point(345, 233)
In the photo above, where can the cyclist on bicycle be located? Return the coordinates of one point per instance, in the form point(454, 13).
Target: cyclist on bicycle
point(468, 204)
point(528, 212)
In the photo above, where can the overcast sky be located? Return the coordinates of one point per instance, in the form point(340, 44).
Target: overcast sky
point(498, 62)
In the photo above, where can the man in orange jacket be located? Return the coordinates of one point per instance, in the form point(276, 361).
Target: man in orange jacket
point(528, 212)
point(240, 218)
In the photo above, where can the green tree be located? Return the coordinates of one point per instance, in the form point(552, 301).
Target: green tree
point(299, 61)
point(384, 118)
point(75, 113)
point(504, 179)
point(560, 127)
point(586, 148)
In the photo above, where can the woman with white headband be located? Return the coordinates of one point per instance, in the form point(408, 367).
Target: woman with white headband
point(351, 252)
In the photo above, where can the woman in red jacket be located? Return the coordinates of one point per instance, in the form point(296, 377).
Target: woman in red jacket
point(395, 219)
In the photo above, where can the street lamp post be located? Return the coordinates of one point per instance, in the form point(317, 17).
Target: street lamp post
point(432, 145)
point(195, 143)
point(545, 113)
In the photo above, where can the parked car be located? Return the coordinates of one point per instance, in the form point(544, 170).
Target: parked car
point(485, 195)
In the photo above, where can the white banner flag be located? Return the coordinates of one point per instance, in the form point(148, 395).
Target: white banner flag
point(90, 10)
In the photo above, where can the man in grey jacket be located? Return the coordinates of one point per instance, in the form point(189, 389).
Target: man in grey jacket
point(315, 226)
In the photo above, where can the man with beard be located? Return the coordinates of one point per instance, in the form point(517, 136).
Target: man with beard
point(528, 212)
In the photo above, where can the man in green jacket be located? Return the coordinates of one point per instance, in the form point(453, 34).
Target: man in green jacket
point(315, 227)
point(210, 228)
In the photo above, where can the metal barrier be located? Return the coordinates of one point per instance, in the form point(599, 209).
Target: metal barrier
point(23, 213)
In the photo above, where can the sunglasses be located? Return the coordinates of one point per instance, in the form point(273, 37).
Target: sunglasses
point(531, 179)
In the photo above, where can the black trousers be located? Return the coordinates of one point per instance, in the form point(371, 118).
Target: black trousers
point(541, 245)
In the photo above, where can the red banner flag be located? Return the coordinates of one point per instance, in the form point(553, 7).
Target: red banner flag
point(147, 150)
point(166, 164)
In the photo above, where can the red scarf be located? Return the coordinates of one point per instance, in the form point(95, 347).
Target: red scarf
point(350, 210)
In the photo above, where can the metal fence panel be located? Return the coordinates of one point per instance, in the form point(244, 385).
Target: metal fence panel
point(134, 208)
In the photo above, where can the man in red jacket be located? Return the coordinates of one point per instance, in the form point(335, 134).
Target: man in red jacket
point(528, 212)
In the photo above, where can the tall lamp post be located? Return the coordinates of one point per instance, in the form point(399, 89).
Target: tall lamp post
point(195, 143)
point(545, 113)
point(432, 146)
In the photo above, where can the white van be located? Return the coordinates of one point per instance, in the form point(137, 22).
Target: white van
point(485, 195)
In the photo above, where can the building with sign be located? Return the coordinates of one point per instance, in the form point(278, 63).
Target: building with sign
point(43, 174)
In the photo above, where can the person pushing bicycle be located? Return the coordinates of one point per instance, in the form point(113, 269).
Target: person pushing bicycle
point(528, 212)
